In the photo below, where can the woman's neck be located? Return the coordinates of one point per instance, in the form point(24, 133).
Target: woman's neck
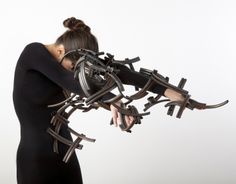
point(52, 49)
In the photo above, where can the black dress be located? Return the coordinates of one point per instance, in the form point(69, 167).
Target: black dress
point(39, 81)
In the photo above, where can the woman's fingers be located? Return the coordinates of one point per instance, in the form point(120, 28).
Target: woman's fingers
point(114, 115)
point(117, 119)
point(129, 120)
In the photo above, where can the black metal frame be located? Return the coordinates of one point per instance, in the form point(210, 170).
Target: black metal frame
point(92, 69)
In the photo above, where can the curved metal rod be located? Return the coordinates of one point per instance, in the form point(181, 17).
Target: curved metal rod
point(80, 60)
point(216, 105)
point(84, 52)
point(150, 104)
point(120, 86)
point(74, 108)
point(99, 68)
point(71, 150)
point(82, 136)
point(59, 116)
point(143, 92)
point(64, 107)
point(54, 118)
point(62, 139)
point(93, 58)
point(183, 106)
point(100, 93)
point(55, 143)
point(83, 81)
point(117, 81)
point(127, 61)
point(63, 102)
point(114, 99)
point(168, 85)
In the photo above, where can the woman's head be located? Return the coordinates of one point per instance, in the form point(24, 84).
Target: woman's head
point(78, 36)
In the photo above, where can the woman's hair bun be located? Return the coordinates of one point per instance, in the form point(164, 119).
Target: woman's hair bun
point(76, 24)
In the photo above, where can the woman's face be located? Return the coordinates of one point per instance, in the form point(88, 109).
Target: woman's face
point(67, 64)
point(58, 51)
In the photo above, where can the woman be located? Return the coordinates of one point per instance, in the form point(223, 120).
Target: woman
point(39, 80)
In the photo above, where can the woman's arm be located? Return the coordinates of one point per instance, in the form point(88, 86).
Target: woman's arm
point(134, 78)
point(130, 77)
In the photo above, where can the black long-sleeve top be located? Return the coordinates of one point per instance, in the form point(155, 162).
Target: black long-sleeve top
point(39, 81)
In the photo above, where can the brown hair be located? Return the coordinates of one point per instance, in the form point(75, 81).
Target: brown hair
point(77, 36)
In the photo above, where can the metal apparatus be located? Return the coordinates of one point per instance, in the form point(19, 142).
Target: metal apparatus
point(97, 76)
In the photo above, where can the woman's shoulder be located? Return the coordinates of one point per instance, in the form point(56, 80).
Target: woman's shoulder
point(33, 49)
point(34, 45)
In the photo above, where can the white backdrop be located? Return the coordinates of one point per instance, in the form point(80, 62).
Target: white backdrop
point(195, 39)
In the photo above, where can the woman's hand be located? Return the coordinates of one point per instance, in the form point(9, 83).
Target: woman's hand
point(116, 116)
